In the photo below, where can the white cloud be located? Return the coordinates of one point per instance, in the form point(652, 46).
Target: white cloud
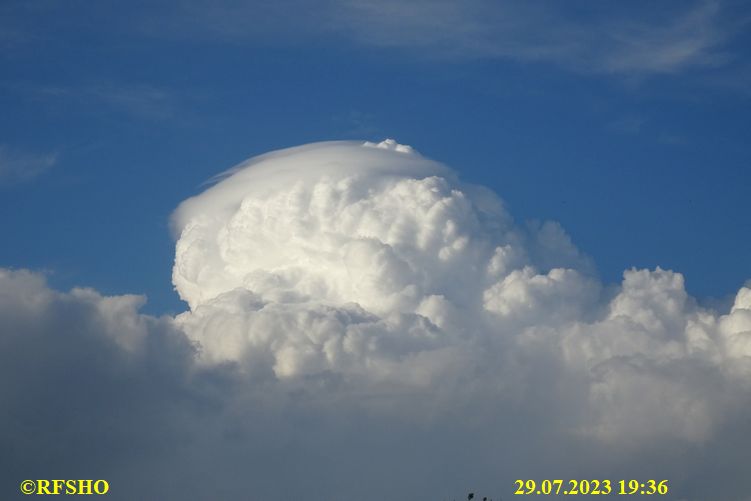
point(19, 166)
point(632, 39)
point(359, 314)
point(660, 39)
point(376, 264)
point(138, 100)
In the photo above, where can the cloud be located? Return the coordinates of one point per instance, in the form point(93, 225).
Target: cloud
point(631, 124)
point(637, 39)
point(364, 325)
point(20, 166)
point(692, 38)
point(373, 268)
point(374, 263)
point(623, 41)
point(144, 101)
point(138, 100)
point(634, 39)
point(87, 382)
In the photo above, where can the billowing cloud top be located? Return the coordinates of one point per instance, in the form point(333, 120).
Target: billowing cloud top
point(359, 255)
point(294, 210)
point(373, 264)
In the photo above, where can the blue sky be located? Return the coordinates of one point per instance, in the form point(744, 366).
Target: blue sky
point(363, 325)
point(628, 125)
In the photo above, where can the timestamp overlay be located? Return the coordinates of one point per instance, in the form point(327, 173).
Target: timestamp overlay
point(593, 487)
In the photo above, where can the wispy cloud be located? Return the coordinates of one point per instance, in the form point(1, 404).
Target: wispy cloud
point(690, 38)
point(630, 124)
point(138, 100)
point(13, 31)
point(19, 166)
point(357, 123)
point(653, 39)
point(637, 38)
point(625, 38)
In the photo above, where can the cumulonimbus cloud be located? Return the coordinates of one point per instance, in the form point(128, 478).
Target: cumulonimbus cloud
point(357, 314)
point(375, 264)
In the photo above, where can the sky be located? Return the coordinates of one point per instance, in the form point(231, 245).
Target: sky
point(510, 234)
